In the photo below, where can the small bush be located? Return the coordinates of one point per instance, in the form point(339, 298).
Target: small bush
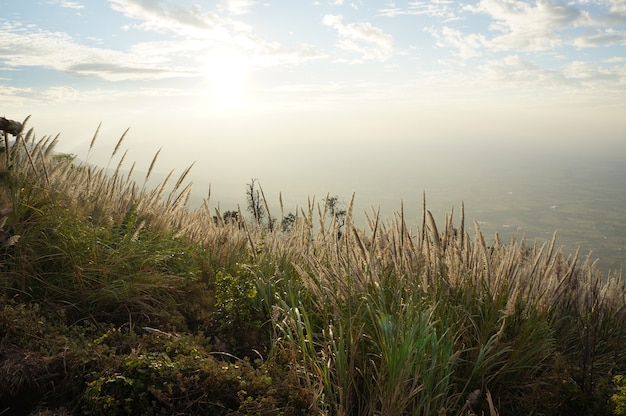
point(168, 374)
point(619, 398)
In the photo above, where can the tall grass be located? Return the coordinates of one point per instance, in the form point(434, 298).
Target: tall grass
point(89, 241)
point(389, 319)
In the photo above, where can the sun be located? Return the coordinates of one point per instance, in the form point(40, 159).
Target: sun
point(226, 72)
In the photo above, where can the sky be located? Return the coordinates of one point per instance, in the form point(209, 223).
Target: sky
point(384, 99)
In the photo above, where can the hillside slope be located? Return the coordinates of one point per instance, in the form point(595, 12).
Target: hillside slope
point(118, 299)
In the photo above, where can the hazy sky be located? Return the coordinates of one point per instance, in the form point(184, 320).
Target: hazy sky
point(312, 97)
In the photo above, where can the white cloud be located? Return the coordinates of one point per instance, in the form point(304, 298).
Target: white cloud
point(515, 70)
point(200, 30)
point(443, 9)
point(539, 26)
point(62, 93)
point(28, 46)
point(468, 46)
point(519, 33)
point(614, 11)
point(526, 27)
point(14, 97)
point(576, 79)
point(158, 16)
point(595, 38)
point(615, 6)
point(591, 71)
point(238, 7)
point(67, 4)
point(192, 35)
point(362, 38)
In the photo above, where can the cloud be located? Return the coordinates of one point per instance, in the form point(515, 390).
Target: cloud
point(192, 34)
point(468, 46)
point(614, 11)
point(200, 31)
point(362, 38)
point(26, 96)
point(14, 97)
point(437, 8)
point(28, 46)
point(238, 7)
point(159, 16)
point(591, 71)
point(595, 38)
point(67, 4)
point(548, 24)
point(534, 27)
point(515, 70)
point(521, 48)
point(576, 79)
point(522, 26)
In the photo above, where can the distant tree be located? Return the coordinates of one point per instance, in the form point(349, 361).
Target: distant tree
point(255, 205)
point(229, 217)
point(335, 210)
point(64, 157)
point(288, 222)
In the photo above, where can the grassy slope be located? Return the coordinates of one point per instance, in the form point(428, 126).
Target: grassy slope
point(118, 300)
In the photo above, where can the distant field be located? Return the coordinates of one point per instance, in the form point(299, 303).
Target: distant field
point(596, 224)
point(528, 194)
point(584, 202)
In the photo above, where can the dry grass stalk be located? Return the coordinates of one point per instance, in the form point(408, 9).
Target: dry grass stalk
point(154, 159)
point(93, 142)
point(119, 143)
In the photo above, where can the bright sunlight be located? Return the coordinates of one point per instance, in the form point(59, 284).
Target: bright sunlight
point(227, 77)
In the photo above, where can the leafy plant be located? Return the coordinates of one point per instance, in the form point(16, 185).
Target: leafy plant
point(619, 398)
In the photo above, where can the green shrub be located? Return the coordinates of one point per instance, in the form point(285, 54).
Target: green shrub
point(238, 312)
point(619, 398)
point(170, 374)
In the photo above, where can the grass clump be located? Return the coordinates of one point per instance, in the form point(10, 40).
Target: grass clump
point(118, 299)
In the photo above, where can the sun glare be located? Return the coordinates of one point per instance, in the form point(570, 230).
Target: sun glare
point(226, 72)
